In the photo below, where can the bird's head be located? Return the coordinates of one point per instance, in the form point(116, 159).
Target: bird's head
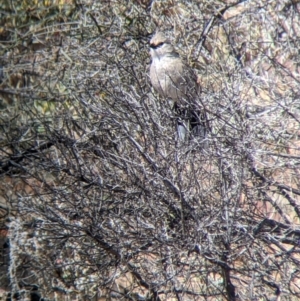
point(160, 46)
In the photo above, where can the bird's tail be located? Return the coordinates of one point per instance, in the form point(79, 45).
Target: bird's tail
point(191, 125)
point(198, 125)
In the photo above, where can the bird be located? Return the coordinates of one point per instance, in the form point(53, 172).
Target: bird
point(173, 79)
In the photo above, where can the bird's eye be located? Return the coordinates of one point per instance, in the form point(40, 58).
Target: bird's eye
point(155, 46)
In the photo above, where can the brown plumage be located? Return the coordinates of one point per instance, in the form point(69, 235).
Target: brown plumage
point(175, 80)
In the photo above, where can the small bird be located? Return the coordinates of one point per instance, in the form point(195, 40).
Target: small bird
point(174, 80)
